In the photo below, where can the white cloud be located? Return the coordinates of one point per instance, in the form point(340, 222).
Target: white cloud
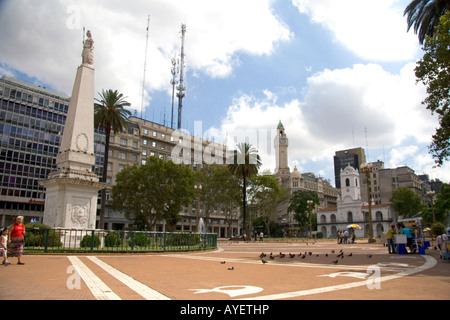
point(47, 43)
point(337, 105)
point(374, 30)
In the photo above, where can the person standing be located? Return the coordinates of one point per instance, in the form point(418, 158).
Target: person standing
point(4, 246)
point(407, 231)
point(16, 239)
point(390, 239)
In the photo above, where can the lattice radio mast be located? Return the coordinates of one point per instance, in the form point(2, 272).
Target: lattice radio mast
point(173, 82)
point(145, 67)
point(180, 87)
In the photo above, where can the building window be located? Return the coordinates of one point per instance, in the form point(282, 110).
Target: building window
point(122, 155)
point(123, 142)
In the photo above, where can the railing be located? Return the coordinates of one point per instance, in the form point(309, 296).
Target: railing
point(107, 241)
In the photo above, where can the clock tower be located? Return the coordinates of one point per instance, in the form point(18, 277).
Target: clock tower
point(281, 153)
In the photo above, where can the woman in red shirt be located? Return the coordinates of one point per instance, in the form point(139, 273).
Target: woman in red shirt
point(16, 239)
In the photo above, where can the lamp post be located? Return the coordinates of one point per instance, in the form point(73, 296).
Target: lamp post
point(198, 189)
point(367, 169)
point(431, 194)
point(310, 204)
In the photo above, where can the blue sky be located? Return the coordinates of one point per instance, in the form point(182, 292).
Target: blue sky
point(338, 74)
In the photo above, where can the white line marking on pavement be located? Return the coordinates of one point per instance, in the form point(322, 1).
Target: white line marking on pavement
point(98, 288)
point(429, 263)
point(133, 284)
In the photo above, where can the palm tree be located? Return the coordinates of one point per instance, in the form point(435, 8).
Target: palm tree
point(424, 15)
point(109, 115)
point(245, 162)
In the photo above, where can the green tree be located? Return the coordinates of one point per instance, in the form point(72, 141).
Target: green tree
point(153, 192)
point(405, 202)
point(424, 15)
point(433, 70)
point(299, 204)
point(441, 206)
point(220, 189)
point(109, 115)
point(264, 193)
point(244, 163)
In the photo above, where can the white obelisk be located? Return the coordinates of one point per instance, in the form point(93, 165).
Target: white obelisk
point(72, 189)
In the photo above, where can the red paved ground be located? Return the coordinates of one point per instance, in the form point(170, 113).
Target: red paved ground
point(203, 276)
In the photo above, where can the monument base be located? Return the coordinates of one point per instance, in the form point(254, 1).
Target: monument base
point(71, 203)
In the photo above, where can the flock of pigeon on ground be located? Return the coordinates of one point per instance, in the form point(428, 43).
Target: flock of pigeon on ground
point(264, 259)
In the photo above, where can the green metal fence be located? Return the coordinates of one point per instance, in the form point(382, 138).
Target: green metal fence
point(90, 241)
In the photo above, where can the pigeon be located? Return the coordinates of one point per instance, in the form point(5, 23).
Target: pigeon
point(369, 256)
point(291, 255)
point(340, 251)
point(262, 255)
point(272, 257)
point(326, 254)
point(310, 253)
point(350, 254)
point(231, 268)
point(282, 255)
point(335, 261)
point(332, 251)
point(303, 256)
point(264, 261)
point(223, 262)
point(340, 255)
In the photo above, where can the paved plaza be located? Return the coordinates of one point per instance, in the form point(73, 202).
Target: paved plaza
point(233, 271)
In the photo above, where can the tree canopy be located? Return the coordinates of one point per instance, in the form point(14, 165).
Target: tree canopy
point(433, 70)
point(153, 192)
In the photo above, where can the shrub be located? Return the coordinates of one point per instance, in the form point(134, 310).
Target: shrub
point(141, 240)
point(87, 240)
point(36, 233)
point(437, 229)
point(112, 239)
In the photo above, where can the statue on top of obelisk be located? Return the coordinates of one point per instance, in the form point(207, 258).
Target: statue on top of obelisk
point(88, 49)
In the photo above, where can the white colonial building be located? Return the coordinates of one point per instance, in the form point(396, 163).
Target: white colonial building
point(351, 209)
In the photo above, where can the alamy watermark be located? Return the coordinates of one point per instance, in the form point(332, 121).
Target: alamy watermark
point(262, 140)
point(74, 19)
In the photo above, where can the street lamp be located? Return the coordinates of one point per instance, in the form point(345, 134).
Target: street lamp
point(310, 204)
point(431, 194)
point(367, 169)
point(198, 189)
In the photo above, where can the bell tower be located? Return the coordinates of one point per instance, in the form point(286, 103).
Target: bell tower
point(281, 144)
point(350, 185)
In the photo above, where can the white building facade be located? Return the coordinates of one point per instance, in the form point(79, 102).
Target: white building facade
point(351, 209)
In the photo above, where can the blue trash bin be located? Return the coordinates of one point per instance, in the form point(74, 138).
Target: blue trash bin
point(401, 249)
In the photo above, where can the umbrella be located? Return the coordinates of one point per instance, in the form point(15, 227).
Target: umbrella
point(426, 229)
point(353, 226)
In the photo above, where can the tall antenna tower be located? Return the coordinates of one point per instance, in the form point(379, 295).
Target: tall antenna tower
point(173, 82)
point(145, 67)
point(180, 86)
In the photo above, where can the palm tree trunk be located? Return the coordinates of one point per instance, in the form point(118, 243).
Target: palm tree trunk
point(244, 202)
point(101, 224)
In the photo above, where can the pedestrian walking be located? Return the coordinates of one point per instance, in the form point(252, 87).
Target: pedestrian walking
point(16, 239)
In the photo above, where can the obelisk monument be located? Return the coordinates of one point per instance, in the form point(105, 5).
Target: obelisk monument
point(72, 189)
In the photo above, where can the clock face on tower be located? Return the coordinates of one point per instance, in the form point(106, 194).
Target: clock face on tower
point(282, 140)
